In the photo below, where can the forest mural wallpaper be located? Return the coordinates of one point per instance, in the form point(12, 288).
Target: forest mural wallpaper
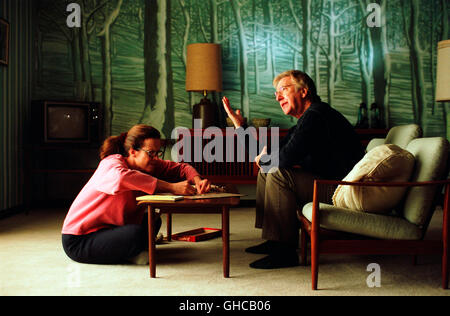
point(131, 56)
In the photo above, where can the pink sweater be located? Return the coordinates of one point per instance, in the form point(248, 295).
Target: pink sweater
point(109, 197)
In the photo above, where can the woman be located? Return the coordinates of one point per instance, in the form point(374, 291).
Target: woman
point(104, 224)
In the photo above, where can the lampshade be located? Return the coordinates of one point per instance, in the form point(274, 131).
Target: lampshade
point(204, 68)
point(443, 71)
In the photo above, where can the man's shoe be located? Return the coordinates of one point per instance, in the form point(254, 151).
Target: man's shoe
point(276, 261)
point(265, 248)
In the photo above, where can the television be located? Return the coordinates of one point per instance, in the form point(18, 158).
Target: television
point(67, 122)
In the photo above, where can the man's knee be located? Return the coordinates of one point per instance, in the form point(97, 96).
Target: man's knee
point(261, 176)
point(280, 177)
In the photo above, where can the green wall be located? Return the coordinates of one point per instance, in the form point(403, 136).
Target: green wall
point(15, 97)
point(145, 83)
point(106, 58)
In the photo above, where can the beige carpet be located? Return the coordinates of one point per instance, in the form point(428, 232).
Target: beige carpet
point(32, 262)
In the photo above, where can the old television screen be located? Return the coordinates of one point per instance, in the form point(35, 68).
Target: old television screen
point(67, 122)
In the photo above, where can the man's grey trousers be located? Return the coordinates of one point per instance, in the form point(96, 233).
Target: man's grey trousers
point(279, 194)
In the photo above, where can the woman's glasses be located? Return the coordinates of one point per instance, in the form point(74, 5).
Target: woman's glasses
point(153, 154)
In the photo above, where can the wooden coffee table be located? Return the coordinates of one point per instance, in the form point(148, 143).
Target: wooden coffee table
point(202, 206)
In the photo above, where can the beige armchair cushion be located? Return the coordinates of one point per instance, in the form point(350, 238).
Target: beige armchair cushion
point(400, 135)
point(374, 143)
point(431, 156)
point(367, 224)
point(385, 163)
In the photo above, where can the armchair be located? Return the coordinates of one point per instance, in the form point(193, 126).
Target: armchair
point(335, 230)
point(400, 135)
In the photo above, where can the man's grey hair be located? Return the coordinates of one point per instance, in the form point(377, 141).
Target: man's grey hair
point(301, 80)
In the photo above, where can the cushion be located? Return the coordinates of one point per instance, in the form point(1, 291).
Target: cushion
point(402, 135)
point(366, 224)
point(399, 135)
point(374, 143)
point(384, 163)
point(431, 156)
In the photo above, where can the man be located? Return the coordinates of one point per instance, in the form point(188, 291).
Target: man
point(323, 144)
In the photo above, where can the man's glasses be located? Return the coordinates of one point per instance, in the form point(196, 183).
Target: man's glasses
point(282, 90)
point(153, 154)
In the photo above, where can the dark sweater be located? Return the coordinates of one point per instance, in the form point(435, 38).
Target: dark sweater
point(323, 142)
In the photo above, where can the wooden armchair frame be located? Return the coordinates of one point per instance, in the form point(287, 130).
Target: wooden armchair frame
point(334, 242)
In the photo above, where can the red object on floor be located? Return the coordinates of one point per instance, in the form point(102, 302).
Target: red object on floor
point(198, 234)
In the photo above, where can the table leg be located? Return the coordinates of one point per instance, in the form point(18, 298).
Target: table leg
point(169, 226)
point(226, 241)
point(151, 242)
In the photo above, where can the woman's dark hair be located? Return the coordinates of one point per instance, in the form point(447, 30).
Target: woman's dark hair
point(122, 143)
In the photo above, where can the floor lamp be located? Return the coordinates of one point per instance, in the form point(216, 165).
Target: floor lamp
point(443, 76)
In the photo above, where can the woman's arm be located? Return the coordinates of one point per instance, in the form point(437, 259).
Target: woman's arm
point(173, 171)
point(202, 185)
point(178, 188)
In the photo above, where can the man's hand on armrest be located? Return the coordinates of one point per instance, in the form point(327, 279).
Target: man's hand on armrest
point(258, 158)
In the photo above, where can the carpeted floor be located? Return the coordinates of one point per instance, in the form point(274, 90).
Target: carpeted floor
point(32, 262)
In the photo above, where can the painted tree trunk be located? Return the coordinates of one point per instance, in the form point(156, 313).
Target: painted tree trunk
point(255, 54)
point(386, 105)
point(445, 20)
point(187, 20)
point(214, 38)
point(105, 35)
point(306, 8)
point(432, 62)
point(245, 101)
point(304, 28)
point(365, 51)
point(296, 55)
point(85, 60)
point(107, 82)
point(379, 71)
point(75, 50)
point(170, 104)
point(159, 109)
point(214, 22)
point(415, 51)
point(331, 54)
point(317, 51)
point(268, 22)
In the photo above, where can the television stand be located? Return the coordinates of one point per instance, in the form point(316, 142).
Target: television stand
point(56, 173)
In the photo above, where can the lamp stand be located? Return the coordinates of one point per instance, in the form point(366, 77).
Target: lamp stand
point(204, 110)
